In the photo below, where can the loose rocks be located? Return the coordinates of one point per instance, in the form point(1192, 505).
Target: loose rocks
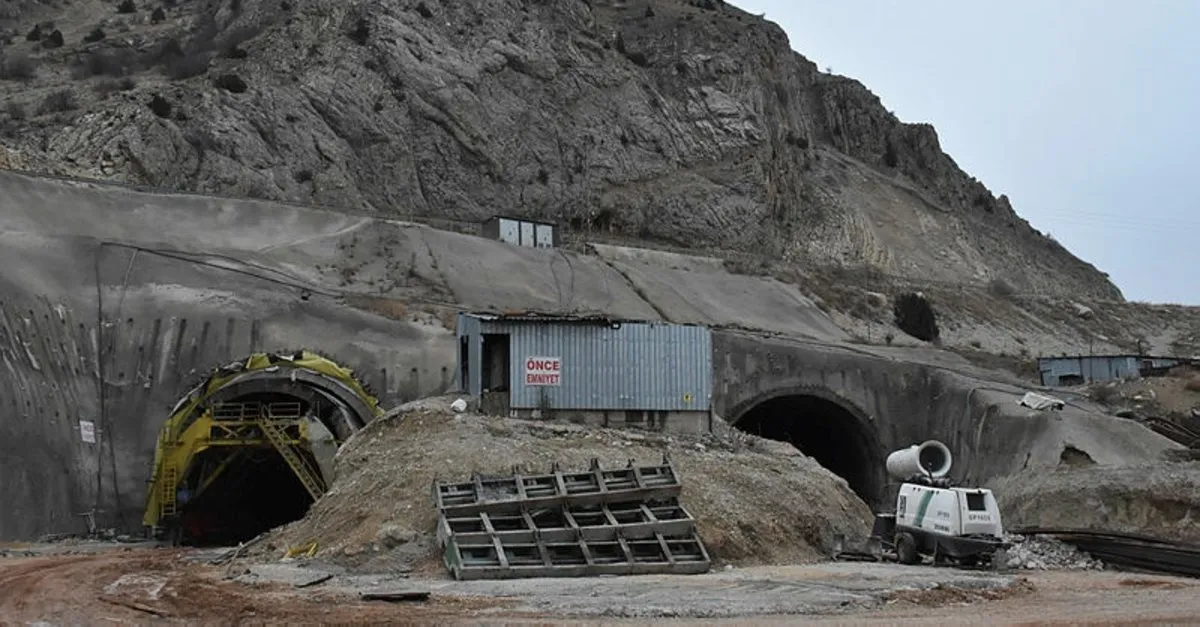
point(1046, 553)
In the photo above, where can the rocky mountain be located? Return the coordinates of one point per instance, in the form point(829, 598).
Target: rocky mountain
point(683, 122)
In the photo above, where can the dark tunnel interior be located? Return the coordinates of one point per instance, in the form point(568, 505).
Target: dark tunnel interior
point(256, 492)
point(825, 431)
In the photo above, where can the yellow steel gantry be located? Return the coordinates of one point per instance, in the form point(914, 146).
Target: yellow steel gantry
point(238, 427)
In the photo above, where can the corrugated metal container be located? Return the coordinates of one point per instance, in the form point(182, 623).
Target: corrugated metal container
point(468, 327)
point(1154, 363)
point(1086, 369)
point(606, 366)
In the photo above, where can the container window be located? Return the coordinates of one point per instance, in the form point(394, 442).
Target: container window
point(976, 502)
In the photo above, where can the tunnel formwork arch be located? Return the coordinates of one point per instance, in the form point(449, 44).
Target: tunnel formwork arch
point(825, 426)
point(258, 425)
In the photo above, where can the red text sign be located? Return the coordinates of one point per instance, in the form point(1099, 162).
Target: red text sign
point(543, 371)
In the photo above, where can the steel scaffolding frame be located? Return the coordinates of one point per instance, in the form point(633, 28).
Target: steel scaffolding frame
point(561, 524)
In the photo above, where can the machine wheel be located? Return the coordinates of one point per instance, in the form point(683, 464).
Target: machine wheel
point(969, 561)
point(906, 548)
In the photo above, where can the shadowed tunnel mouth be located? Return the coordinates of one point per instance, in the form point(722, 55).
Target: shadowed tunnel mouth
point(824, 431)
point(251, 447)
point(237, 491)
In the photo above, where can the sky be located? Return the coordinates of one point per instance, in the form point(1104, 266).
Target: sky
point(1086, 113)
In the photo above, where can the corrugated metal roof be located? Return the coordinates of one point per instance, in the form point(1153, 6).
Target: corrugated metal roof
point(500, 216)
point(533, 316)
point(1122, 356)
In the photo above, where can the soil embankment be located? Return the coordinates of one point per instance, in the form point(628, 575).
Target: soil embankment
point(756, 501)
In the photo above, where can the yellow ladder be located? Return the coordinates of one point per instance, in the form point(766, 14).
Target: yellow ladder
point(275, 433)
point(168, 506)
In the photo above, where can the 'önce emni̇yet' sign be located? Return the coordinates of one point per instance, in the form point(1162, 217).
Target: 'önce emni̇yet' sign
point(543, 371)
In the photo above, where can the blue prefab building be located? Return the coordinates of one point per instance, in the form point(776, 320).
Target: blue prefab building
point(1067, 371)
point(593, 370)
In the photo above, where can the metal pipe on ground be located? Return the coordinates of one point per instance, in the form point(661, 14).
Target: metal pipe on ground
point(1128, 550)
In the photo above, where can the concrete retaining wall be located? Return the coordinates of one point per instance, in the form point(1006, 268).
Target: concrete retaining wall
point(166, 324)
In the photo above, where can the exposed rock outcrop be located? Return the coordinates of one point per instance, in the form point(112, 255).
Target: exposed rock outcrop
point(689, 122)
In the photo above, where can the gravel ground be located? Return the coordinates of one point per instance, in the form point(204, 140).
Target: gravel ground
point(756, 591)
point(753, 499)
point(176, 586)
point(1054, 598)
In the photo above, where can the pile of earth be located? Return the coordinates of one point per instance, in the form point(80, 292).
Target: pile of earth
point(1160, 500)
point(1177, 393)
point(755, 501)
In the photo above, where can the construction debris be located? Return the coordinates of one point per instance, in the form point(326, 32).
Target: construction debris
point(134, 605)
point(320, 579)
point(1135, 551)
point(568, 524)
point(393, 597)
point(1037, 401)
point(1046, 553)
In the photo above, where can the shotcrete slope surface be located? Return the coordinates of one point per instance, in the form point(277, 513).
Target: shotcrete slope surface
point(1160, 500)
point(356, 255)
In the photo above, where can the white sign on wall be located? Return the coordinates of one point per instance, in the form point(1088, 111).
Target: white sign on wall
point(87, 431)
point(543, 371)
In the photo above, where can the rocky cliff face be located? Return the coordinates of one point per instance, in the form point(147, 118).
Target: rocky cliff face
point(689, 122)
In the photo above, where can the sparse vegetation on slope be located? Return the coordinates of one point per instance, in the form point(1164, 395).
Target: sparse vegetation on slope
point(690, 123)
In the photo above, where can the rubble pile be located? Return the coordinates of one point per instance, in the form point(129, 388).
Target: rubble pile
point(1046, 553)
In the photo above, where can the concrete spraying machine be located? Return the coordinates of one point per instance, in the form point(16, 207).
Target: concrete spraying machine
point(934, 518)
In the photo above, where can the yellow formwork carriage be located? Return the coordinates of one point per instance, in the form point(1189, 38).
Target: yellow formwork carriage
point(180, 441)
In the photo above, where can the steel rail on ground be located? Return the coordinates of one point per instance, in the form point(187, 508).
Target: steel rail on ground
point(1128, 550)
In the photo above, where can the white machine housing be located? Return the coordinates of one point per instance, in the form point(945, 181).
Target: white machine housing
point(948, 511)
point(929, 459)
point(934, 517)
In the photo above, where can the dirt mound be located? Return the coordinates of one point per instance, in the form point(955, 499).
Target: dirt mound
point(1161, 500)
point(1176, 394)
point(1170, 404)
point(756, 501)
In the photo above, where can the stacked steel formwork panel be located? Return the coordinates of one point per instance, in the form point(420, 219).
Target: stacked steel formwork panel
point(623, 521)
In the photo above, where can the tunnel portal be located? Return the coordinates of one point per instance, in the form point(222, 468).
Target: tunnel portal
point(828, 432)
point(250, 448)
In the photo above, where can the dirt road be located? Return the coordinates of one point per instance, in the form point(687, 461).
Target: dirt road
point(149, 585)
point(160, 585)
point(1054, 598)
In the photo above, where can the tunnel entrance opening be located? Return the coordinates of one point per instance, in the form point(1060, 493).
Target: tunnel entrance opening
point(251, 446)
point(256, 470)
point(256, 491)
point(826, 431)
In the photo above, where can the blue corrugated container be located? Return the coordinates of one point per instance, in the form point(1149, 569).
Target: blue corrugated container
point(602, 365)
point(1058, 371)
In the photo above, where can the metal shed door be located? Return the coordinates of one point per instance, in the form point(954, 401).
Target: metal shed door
point(527, 234)
point(510, 232)
point(545, 236)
